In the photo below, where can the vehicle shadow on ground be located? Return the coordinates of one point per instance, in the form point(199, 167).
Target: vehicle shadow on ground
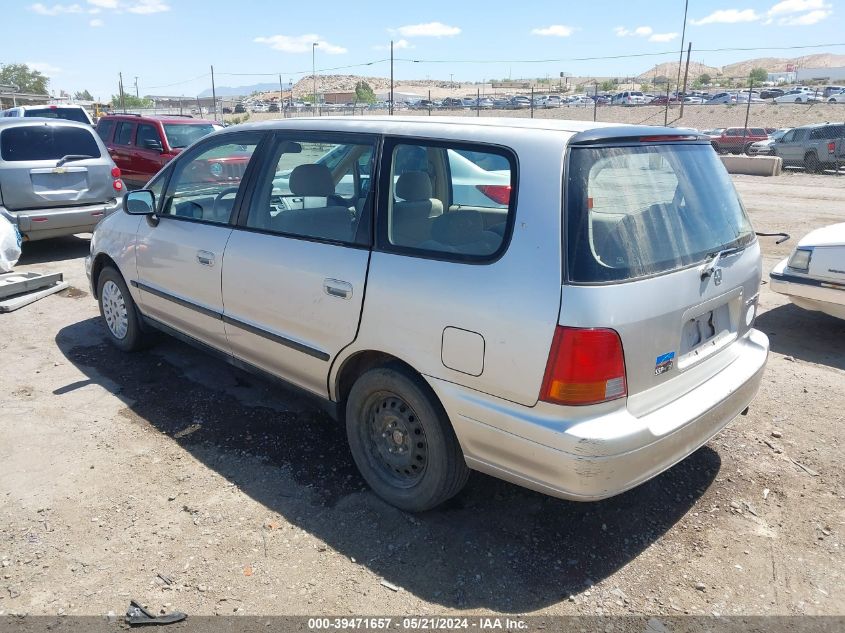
point(54, 250)
point(494, 546)
point(810, 336)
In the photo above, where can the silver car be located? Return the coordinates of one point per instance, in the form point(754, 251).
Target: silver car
point(458, 305)
point(56, 177)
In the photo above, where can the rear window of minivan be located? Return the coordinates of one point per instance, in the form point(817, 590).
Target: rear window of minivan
point(637, 211)
point(71, 114)
point(46, 142)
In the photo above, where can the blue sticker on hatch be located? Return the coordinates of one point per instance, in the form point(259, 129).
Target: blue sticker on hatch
point(663, 363)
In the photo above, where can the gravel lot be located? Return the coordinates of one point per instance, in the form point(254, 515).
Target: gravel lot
point(171, 478)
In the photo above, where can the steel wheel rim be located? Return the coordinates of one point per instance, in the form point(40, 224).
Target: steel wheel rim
point(114, 310)
point(398, 448)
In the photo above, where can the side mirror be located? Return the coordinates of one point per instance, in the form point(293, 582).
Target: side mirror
point(140, 202)
point(153, 145)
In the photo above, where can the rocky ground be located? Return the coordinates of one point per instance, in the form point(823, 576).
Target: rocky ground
point(171, 478)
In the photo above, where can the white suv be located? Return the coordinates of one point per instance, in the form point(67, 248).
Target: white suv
point(438, 287)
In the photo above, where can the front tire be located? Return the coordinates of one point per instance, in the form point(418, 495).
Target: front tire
point(402, 441)
point(811, 163)
point(119, 312)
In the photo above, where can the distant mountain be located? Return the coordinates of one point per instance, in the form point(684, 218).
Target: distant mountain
point(243, 91)
point(742, 69)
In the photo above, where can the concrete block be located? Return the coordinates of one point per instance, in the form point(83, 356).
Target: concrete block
point(753, 165)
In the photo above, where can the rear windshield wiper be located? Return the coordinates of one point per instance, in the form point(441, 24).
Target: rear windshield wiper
point(712, 260)
point(70, 157)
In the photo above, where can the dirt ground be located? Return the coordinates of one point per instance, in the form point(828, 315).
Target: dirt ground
point(169, 477)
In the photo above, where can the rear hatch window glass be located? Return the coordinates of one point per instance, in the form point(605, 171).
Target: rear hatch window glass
point(71, 114)
point(181, 135)
point(47, 142)
point(637, 211)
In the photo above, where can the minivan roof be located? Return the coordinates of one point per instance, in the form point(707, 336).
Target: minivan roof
point(35, 120)
point(425, 126)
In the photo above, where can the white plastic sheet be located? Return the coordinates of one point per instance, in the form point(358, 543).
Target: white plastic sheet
point(10, 245)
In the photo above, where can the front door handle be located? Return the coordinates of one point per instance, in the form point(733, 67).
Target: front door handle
point(337, 288)
point(206, 258)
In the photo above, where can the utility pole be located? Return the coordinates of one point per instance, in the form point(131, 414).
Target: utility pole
point(213, 94)
point(686, 75)
point(314, 46)
point(136, 87)
point(666, 112)
point(122, 98)
point(596, 102)
point(281, 95)
point(683, 36)
point(747, 111)
point(390, 108)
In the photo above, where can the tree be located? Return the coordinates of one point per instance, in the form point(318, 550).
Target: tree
point(608, 86)
point(645, 87)
point(758, 75)
point(704, 79)
point(26, 79)
point(131, 101)
point(83, 96)
point(364, 93)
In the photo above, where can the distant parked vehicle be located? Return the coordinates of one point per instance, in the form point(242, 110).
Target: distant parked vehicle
point(580, 101)
point(766, 148)
point(452, 102)
point(737, 140)
point(837, 97)
point(814, 147)
point(70, 112)
point(273, 107)
point(501, 103)
point(629, 98)
point(797, 96)
point(832, 90)
point(239, 108)
point(694, 100)
point(662, 100)
point(552, 101)
point(721, 98)
point(520, 102)
point(771, 93)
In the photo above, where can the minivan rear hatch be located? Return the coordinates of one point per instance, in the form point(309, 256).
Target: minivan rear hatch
point(52, 165)
point(658, 248)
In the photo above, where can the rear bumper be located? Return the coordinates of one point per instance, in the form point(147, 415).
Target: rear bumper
point(39, 224)
point(597, 457)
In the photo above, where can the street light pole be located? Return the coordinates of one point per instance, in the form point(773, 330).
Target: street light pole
point(314, 72)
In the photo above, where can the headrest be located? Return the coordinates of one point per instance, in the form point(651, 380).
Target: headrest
point(414, 186)
point(458, 227)
point(311, 180)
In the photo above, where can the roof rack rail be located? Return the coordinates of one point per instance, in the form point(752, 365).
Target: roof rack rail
point(184, 116)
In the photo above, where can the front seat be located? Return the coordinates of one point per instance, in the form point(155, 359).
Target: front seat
point(333, 222)
point(413, 215)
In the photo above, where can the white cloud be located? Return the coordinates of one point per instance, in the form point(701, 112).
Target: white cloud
point(145, 7)
point(96, 22)
point(797, 6)
point(813, 17)
point(44, 67)
point(662, 37)
point(728, 16)
point(556, 30)
point(640, 31)
point(397, 45)
point(104, 4)
point(300, 44)
point(429, 29)
point(56, 9)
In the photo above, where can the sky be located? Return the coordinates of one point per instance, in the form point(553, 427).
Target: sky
point(169, 45)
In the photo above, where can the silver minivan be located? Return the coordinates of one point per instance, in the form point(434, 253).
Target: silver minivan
point(564, 305)
point(56, 177)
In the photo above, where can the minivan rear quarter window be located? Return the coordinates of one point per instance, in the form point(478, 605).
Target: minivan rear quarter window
point(637, 211)
point(47, 142)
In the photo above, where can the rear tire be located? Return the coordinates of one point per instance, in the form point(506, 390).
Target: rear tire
point(402, 441)
point(119, 312)
point(747, 150)
point(717, 148)
point(811, 163)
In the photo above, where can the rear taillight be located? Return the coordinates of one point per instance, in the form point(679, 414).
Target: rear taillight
point(115, 172)
point(831, 147)
point(118, 185)
point(585, 366)
point(500, 194)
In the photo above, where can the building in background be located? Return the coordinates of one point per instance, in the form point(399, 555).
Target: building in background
point(821, 74)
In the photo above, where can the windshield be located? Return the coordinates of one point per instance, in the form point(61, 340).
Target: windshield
point(71, 114)
point(180, 135)
point(639, 211)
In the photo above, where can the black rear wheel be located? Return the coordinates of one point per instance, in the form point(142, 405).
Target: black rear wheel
point(402, 441)
point(811, 163)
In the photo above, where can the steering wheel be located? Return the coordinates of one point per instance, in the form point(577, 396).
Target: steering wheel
point(219, 197)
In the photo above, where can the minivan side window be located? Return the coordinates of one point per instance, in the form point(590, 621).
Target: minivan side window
point(447, 200)
point(204, 186)
point(316, 189)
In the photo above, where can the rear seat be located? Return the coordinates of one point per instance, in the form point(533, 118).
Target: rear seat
point(462, 232)
point(329, 222)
